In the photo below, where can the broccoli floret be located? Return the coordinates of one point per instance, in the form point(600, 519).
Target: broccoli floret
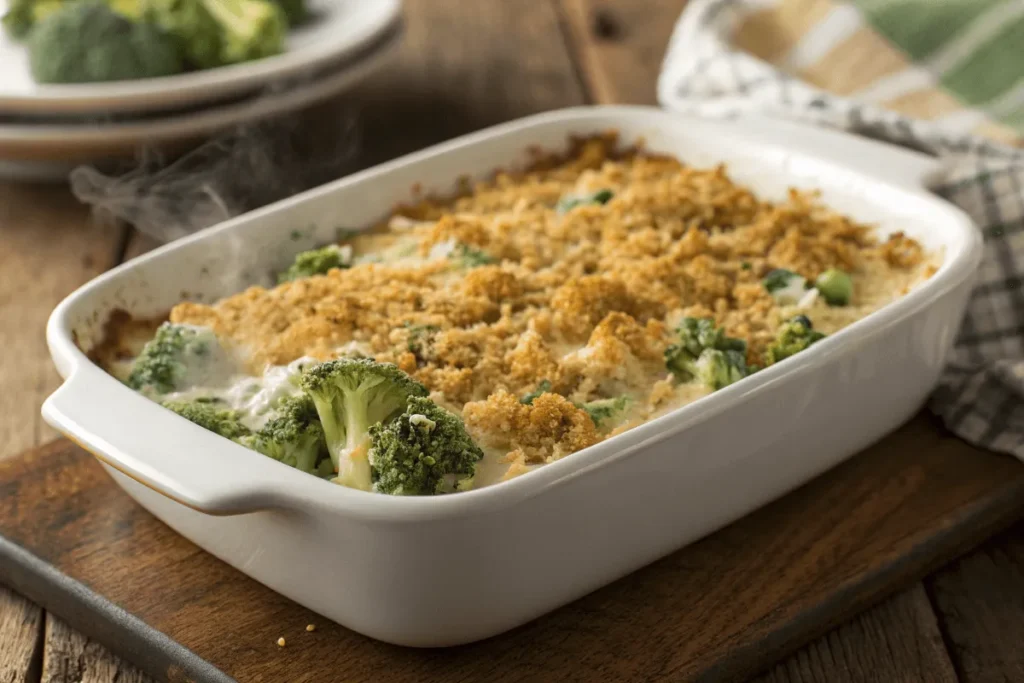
point(680, 361)
point(250, 29)
point(19, 18)
point(130, 9)
point(317, 262)
point(785, 286)
point(716, 369)
point(174, 355)
point(705, 352)
point(22, 15)
point(295, 11)
point(350, 396)
point(193, 28)
point(570, 202)
point(836, 286)
point(542, 388)
point(211, 414)
point(85, 42)
point(424, 451)
point(470, 257)
point(605, 409)
point(213, 33)
point(294, 436)
point(697, 334)
point(792, 337)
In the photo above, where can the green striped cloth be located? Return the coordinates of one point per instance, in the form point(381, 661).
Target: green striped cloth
point(955, 62)
point(942, 76)
point(971, 49)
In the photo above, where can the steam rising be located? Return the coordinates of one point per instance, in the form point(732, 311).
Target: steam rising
point(239, 171)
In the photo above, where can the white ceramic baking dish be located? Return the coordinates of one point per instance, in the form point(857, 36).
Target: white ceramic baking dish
point(452, 569)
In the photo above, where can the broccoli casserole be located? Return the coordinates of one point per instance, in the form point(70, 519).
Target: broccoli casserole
point(467, 341)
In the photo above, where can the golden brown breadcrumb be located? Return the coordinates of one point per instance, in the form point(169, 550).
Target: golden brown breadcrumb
point(547, 429)
point(900, 251)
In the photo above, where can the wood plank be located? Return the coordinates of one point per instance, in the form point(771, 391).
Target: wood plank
point(465, 66)
point(721, 609)
point(74, 658)
point(49, 247)
point(21, 644)
point(897, 641)
point(619, 45)
point(980, 602)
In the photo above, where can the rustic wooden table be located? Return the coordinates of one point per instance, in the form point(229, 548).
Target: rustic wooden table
point(463, 66)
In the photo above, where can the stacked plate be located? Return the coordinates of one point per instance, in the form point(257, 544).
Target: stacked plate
point(45, 130)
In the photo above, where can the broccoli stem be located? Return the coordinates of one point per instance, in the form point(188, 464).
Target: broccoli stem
point(348, 450)
point(354, 467)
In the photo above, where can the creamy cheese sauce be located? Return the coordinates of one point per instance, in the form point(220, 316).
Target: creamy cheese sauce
point(253, 397)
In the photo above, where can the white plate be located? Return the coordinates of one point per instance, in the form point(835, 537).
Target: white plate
point(444, 570)
point(49, 152)
point(337, 30)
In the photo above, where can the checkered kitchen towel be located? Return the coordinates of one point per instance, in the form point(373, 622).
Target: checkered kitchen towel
point(942, 76)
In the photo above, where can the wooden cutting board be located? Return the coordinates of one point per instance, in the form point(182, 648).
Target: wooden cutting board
point(721, 609)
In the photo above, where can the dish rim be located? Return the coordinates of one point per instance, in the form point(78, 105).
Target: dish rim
point(295, 489)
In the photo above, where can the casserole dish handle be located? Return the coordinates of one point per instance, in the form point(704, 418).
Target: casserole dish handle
point(225, 480)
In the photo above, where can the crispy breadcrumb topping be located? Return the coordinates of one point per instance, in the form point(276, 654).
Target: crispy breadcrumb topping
point(545, 430)
point(489, 296)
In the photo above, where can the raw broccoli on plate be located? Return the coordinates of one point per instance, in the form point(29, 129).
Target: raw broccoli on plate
point(84, 42)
